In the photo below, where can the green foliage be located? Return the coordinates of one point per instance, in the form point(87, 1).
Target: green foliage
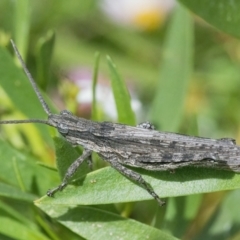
point(44, 57)
point(170, 96)
point(65, 156)
point(121, 96)
point(16, 86)
point(189, 95)
point(17, 230)
point(27, 175)
point(21, 25)
point(93, 223)
point(95, 114)
point(222, 14)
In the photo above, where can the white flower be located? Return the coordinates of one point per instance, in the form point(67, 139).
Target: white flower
point(141, 14)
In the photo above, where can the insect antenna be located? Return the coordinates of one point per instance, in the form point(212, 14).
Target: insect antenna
point(30, 78)
point(36, 90)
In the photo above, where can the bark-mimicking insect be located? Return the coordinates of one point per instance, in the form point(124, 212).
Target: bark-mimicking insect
point(140, 146)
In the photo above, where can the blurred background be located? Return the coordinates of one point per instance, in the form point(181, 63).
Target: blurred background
point(59, 40)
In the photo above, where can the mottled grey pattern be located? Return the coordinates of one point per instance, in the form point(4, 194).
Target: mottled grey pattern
point(140, 146)
point(149, 149)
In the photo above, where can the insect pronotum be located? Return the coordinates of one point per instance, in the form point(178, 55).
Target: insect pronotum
point(140, 147)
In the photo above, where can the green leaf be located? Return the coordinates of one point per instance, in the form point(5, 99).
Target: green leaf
point(19, 90)
point(34, 178)
point(12, 192)
point(106, 186)
point(17, 230)
point(11, 212)
point(222, 14)
point(176, 67)
point(21, 25)
point(44, 56)
point(92, 223)
point(121, 96)
point(65, 156)
point(95, 114)
point(212, 225)
point(180, 211)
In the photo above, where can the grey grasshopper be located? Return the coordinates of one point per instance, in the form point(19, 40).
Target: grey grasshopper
point(140, 147)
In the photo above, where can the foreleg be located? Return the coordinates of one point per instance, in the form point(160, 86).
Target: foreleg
point(70, 172)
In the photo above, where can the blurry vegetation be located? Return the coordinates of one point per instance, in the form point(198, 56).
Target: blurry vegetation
point(182, 73)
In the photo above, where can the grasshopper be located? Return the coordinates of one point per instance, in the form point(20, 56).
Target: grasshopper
point(139, 147)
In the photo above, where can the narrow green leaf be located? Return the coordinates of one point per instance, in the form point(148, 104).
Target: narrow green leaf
point(21, 25)
point(12, 192)
point(176, 66)
point(108, 186)
point(9, 210)
point(19, 90)
point(121, 96)
point(47, 228)
point(45, 47)
point(65, 156)
point(34, 177)
point(222, 14)
point(17, 230)
point(95, 115)
point(179, 212)
point(228, 213)
point(92, 223)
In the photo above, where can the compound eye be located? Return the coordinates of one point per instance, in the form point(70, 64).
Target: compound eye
point(62, 128)
point(65, 112)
